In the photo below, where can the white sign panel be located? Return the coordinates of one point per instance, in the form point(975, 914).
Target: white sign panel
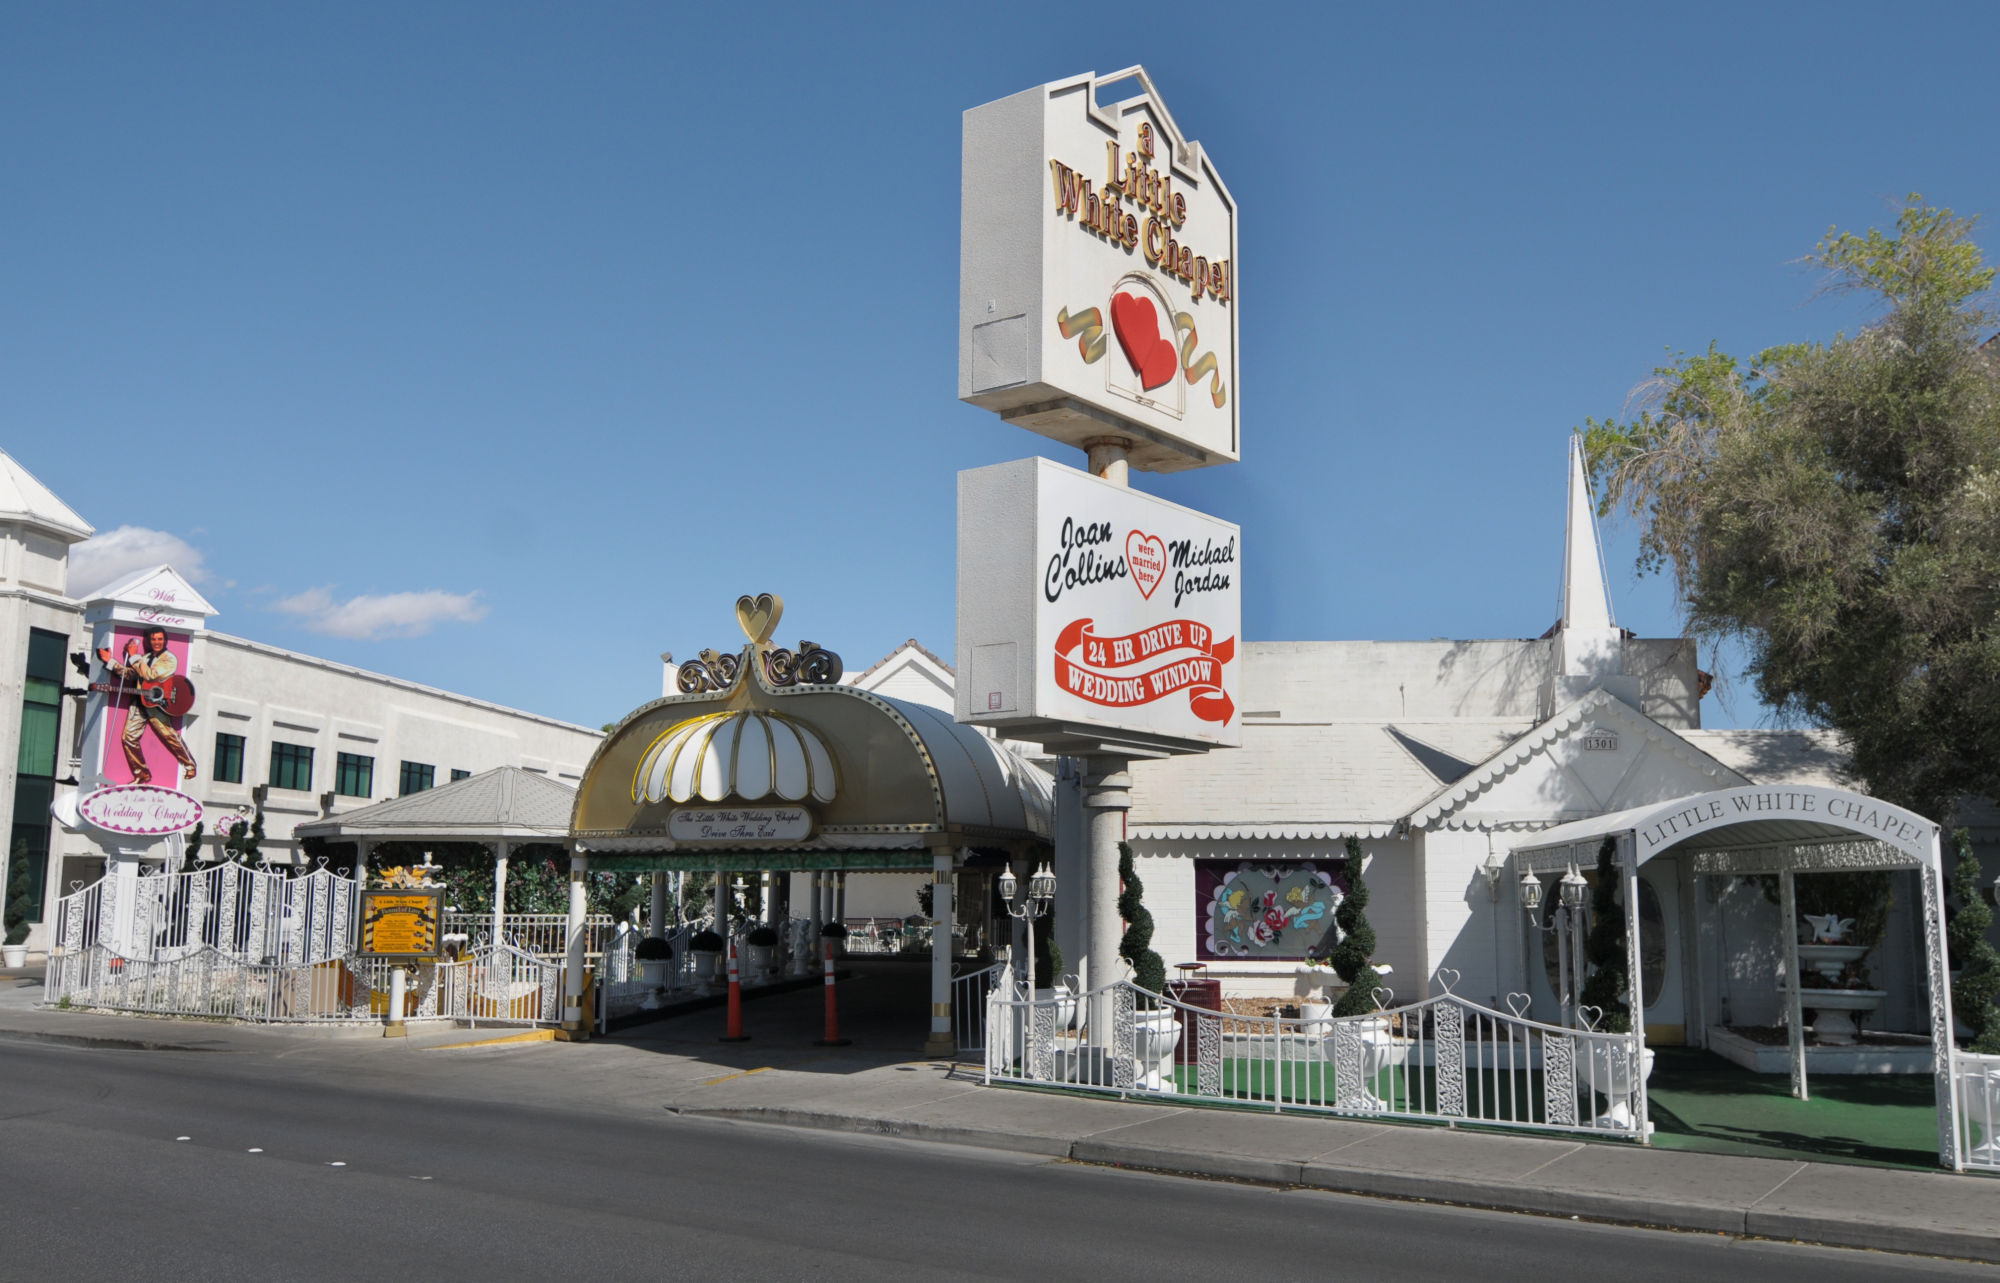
point(1098, 273)
point(1089, 613)
point(740, 824)
point(139, 810)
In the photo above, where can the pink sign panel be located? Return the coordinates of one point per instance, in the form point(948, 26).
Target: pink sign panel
point(143, 674)
point(140, 810)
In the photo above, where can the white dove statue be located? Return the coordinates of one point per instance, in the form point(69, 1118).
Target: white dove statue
point(1828, 928)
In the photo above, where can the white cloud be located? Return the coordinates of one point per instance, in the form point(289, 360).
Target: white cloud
point(103, 558)
point(364, 618)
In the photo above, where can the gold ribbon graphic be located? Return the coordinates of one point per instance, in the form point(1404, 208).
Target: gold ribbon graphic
point(1206, 365)
point(1087, 328)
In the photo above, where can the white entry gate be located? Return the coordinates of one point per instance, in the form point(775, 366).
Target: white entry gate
point(260, 915)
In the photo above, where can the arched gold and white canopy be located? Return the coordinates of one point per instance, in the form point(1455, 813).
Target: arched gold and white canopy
point(746, 754)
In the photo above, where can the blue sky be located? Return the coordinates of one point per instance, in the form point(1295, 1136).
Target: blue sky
point(501, 347)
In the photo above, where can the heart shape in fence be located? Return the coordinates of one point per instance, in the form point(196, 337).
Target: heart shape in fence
point(1383, 997)
point(1448, 977)
point(1518, 1003)
point(1587, 1020)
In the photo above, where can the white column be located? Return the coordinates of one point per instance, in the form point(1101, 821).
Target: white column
point(941, 1042)
point(1930, 880)
point(500, 892)
point(573, 1018)
point(1107, 796)
point(1628, 860)
point(656, 926)
point(1072, 867)
point(818, 915)
point(718, 906)
point(839, 898)
point(1788, 911)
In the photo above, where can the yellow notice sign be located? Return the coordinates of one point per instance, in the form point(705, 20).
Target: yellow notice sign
point(401, 924)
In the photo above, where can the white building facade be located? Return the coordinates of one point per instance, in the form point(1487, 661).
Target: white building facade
point(270, 731)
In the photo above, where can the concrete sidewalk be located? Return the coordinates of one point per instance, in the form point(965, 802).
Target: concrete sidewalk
point(1932, 1214)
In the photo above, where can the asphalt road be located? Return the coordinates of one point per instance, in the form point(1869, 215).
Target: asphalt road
point(160, 1165)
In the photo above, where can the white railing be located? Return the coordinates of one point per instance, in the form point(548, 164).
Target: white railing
point(1440, 1060)
point(1976, 1082)
point(546, 935)
point(261, 915)
point(622, 984)
point(968, 1006)
point(500, 986)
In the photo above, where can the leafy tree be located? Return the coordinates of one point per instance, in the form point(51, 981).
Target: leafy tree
point(1604, 948)
point(1978, 963)
point(1835, 508)
point(1135, 946)
point(1357, 943)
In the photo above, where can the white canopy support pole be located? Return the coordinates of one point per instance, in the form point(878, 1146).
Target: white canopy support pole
point(656, 924)
point(1931, 878)
point(840, 897)
point(719, 908)
point(499, 892)
point(818, 915)
point(940, 1042)
point(1635, 986)
point(1788, 913)
point(572, 1015)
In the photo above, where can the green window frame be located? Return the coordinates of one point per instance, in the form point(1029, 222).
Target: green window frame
point(417, 777)
point(228, 759)
point(292, 767)
point(354, 775)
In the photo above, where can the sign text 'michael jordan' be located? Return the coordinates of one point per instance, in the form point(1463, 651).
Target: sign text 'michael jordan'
point(1132, 178)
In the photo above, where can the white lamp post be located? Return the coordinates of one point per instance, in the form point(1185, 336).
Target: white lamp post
point(1571, 893)
point(1041, 894)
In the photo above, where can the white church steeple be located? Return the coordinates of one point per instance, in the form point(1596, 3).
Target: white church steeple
point(1591, 644)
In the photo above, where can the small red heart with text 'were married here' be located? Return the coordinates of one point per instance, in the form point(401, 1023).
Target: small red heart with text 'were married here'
point(1137, 324)
point(1146, 558)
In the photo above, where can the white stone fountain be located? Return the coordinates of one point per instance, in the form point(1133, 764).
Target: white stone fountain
point(1830, 953)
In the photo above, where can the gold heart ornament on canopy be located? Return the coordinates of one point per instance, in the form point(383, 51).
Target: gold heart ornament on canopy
point(758, 616)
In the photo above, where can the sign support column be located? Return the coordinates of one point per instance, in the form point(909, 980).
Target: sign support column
point(499, 892)
point(1107, 797)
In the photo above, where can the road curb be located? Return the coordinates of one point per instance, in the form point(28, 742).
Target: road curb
point(1486, 1195)
point(93, 1040)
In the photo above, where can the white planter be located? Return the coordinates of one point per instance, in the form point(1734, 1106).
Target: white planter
point(1834, 1011)
point(1830, 959)
point(1611, 1073)
point(756, 961)
point(708, 966)
point(13, 956)
point(1155, 1035)
point(1315, 1018)
point(1381, 1049)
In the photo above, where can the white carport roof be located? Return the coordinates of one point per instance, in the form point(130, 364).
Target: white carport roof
point(506, 804)
point(1744, 819)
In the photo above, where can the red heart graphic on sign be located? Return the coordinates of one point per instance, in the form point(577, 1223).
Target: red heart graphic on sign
point(1146, 558)
point(1138, 327)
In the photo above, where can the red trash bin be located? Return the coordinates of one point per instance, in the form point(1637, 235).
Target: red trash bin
point(1196, 990)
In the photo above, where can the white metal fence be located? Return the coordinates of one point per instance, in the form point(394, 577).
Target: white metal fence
point(261, 915)
point(499, 986)
point(1440, 1060)
point(623, 985)
point(1976, 1082)
point(546, 935)
point(968, 1005)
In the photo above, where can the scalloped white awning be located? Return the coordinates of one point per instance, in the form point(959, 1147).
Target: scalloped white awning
point(746, 754)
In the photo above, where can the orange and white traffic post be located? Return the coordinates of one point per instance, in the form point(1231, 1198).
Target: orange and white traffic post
point(833, 1038)
point(735, 1033)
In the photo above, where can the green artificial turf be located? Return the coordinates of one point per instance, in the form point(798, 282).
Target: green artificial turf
point(1700, 1101)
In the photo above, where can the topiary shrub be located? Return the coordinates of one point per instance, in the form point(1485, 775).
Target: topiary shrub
point(761, 936)
point(653, 949)
point(1977, 962)
point(705, 941)
point(833, 931)
point(1604, 948)
point(1148, 971)
point(1357, 943)
point(18, 896)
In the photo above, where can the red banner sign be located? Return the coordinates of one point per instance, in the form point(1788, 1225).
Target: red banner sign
point(1183, 654)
